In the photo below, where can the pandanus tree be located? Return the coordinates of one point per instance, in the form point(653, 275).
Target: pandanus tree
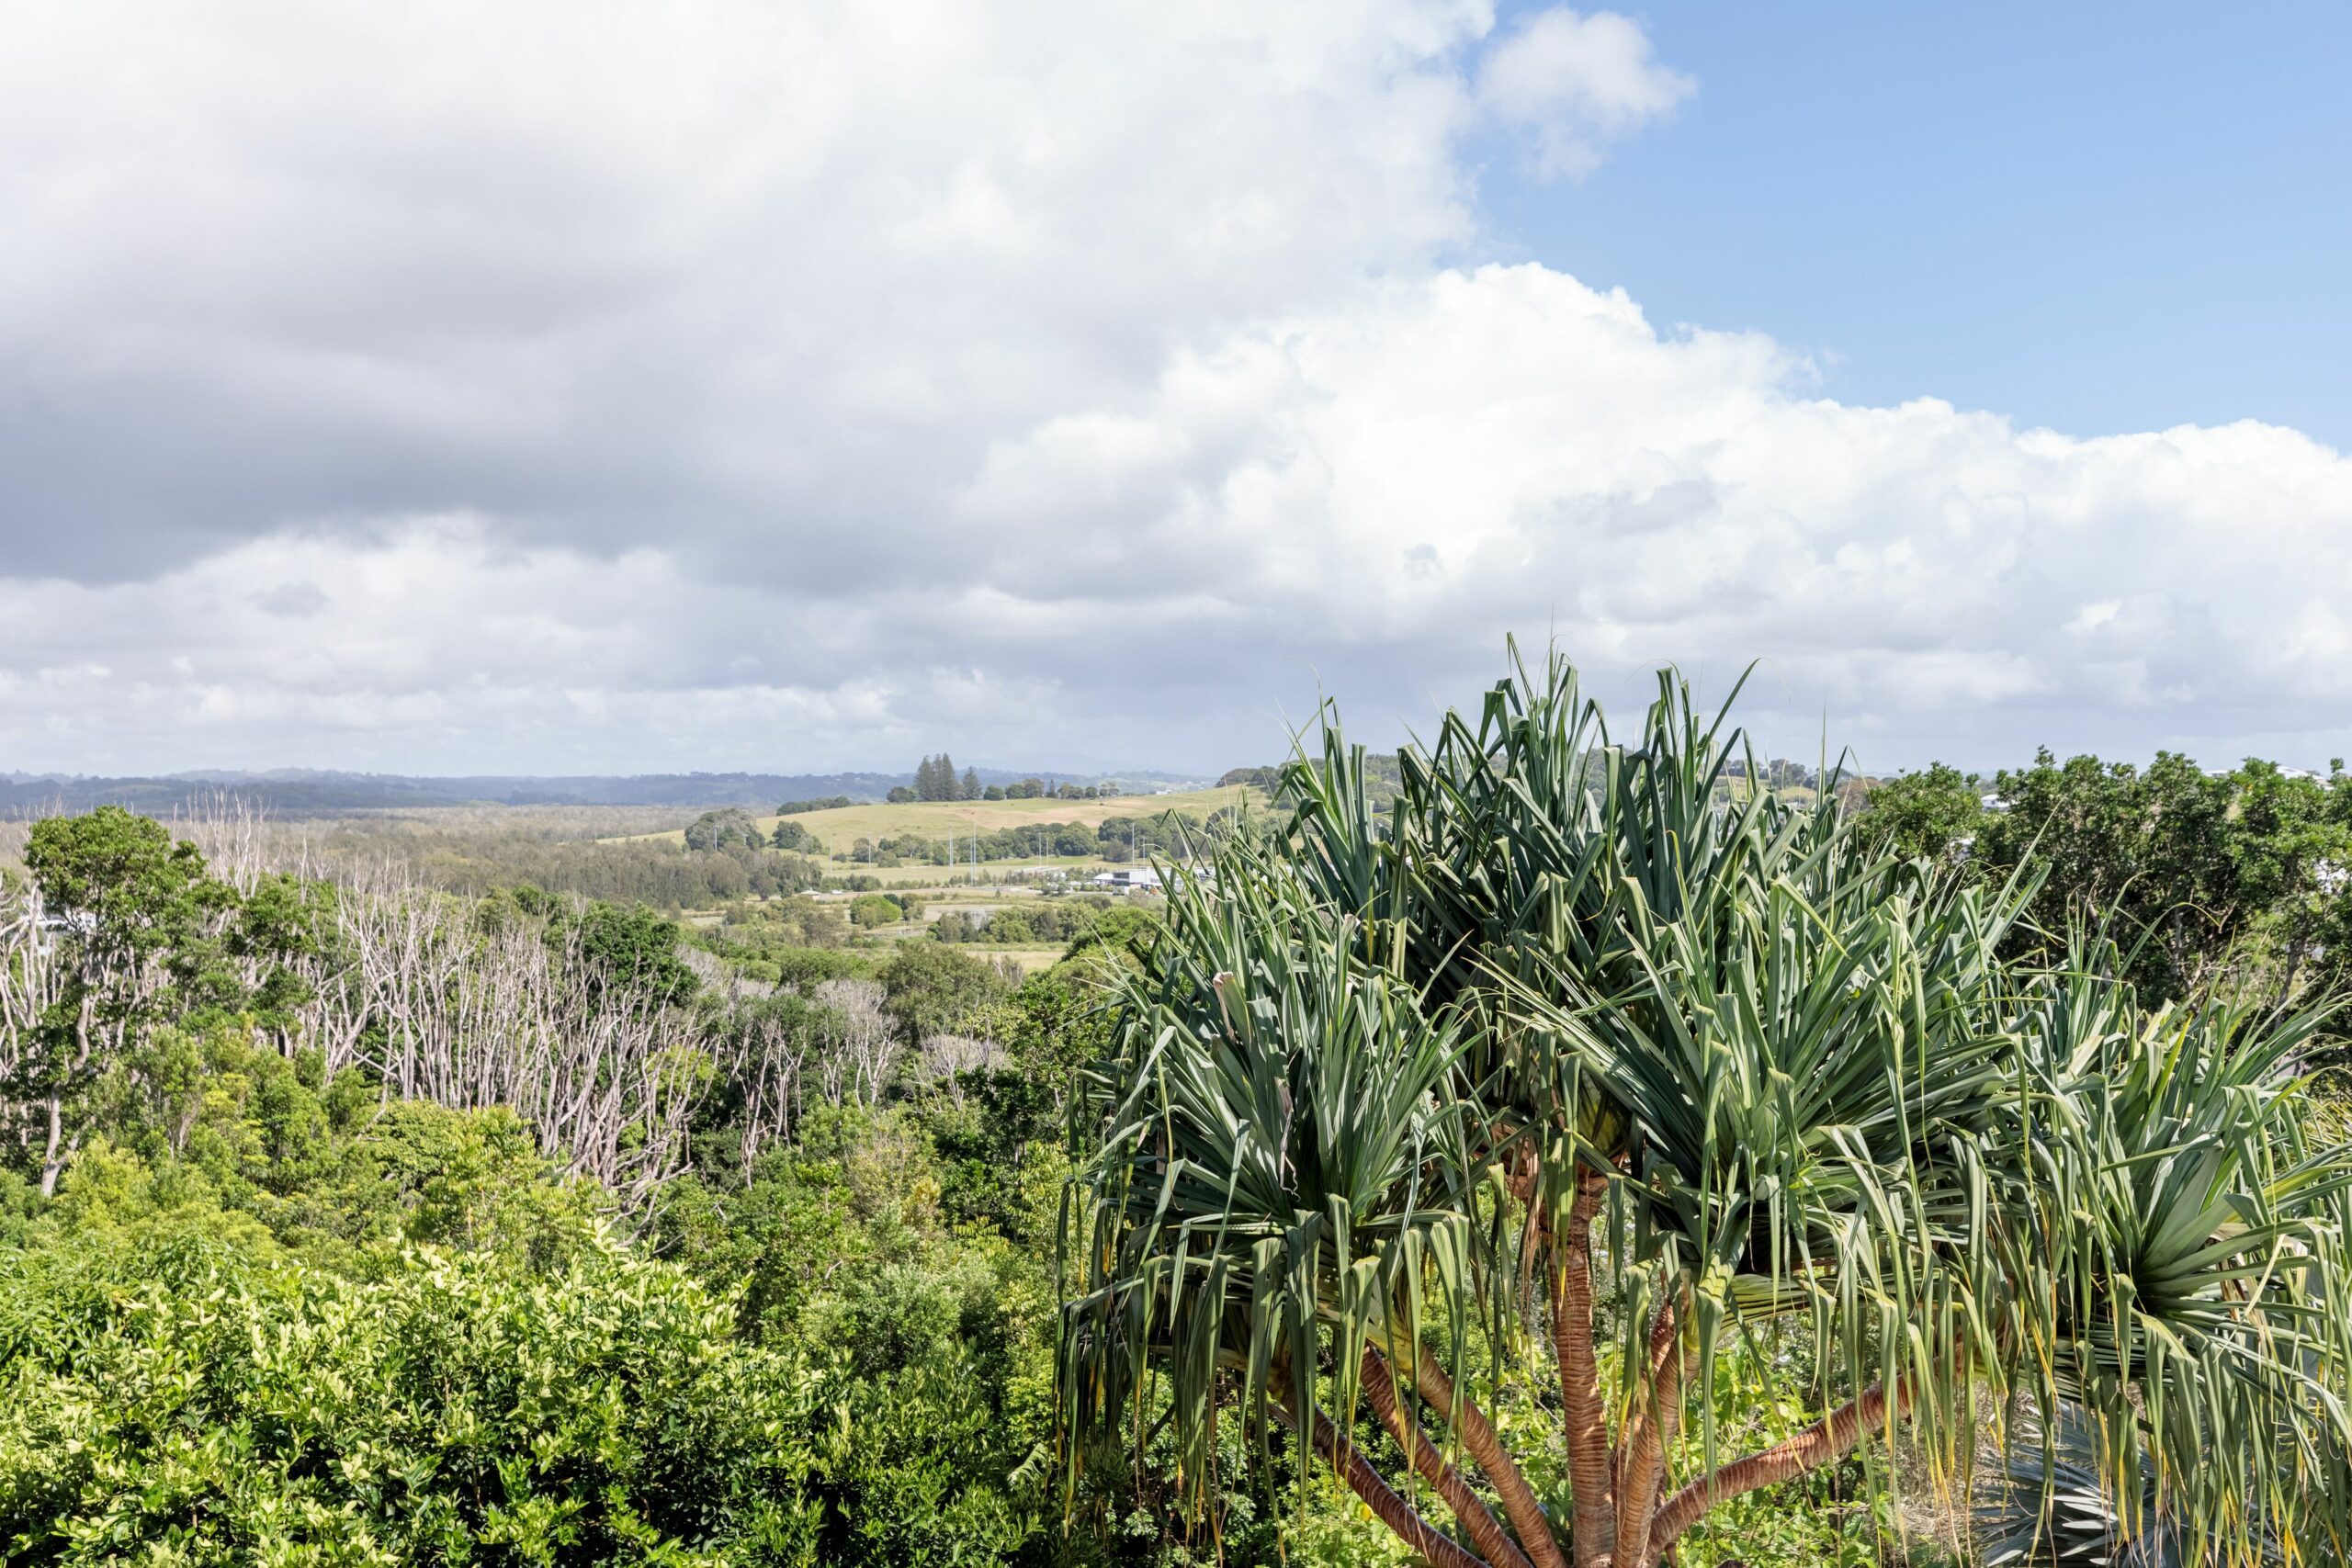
point(1582, 1058)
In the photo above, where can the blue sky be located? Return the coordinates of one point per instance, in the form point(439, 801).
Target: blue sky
point(2094, 217)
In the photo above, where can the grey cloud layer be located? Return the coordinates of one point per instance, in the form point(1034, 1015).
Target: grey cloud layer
point(759, 385)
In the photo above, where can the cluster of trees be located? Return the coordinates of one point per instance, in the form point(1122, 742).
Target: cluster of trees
point(884, 909)
point(337, 1263)
point(478, 860)
point(801, 808)
point(1073, 922)
point(936, 779)
point(1171, 832)
point(732, 830)
point(2245, 874)
point(729, 828)
point(126, 952)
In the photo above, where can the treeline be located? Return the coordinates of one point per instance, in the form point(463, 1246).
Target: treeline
point(801, 807)
point(936, 779)
point(736, 835)
point(614, 857)
point(2247, 872)
point(1085, 919)
point(358, 1221)
point(648, 872)
point(1118, 838)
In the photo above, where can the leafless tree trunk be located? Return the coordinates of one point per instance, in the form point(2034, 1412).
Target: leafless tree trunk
point(946, 1057)
point(404, 981)
point(770, 1061)
point(606, 1077)
point(28, 976)
point(865, 1045)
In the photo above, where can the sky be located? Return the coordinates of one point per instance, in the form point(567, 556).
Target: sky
point(570, 388)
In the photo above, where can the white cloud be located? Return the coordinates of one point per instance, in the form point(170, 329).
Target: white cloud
point(795, 385)
point(1578, 83)
point(1509, 448)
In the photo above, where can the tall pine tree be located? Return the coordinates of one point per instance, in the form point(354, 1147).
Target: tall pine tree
point(935, 779)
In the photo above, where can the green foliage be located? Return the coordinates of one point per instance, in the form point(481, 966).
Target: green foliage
point(935, 779)
point(728, 829)
point(272, 1313)
point(771, 928)
point(801, 807)
point(1931, 815)
point(661, 873)
point(275, 1314)
point(1358, 1084)
point(634, 948)
point(875, 910)
point(930, 988)
point(2146, 851)
point(1073, 923)
point(171, 1398)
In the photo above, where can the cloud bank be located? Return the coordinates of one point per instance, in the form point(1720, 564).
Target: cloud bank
point(801, 386)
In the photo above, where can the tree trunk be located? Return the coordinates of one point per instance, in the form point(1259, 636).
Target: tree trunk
point(1389, 1509)
point(1526, 1515)
point(53, 1160)
point(1485, 1530)
point(1648, 1428)
point(1586, 1422)
point(1825, 1442)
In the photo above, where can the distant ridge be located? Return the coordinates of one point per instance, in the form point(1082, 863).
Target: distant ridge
point(310, 792)
point(307, 792)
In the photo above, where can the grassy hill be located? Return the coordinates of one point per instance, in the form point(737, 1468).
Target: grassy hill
point(840, 828)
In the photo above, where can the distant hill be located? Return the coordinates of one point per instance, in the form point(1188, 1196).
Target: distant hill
point(301, 792)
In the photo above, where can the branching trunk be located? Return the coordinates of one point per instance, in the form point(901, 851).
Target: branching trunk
point(1485, 1530)
point(1825, 1442)
point(1392, 1510)
point(1520, 1504)
point(607, 1077)
point(1626, 1514)
point(53, 1157)
point(1649, 1429)
point(865, 1046)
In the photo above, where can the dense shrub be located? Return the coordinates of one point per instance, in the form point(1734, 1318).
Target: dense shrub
point(174, 1398)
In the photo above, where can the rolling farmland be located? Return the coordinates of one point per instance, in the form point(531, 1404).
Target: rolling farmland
point(840, 829)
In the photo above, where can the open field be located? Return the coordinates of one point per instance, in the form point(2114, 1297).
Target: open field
point(898, 878)
point(840, 829)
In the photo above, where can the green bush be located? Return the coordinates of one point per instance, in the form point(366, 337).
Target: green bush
point(173, 1399)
